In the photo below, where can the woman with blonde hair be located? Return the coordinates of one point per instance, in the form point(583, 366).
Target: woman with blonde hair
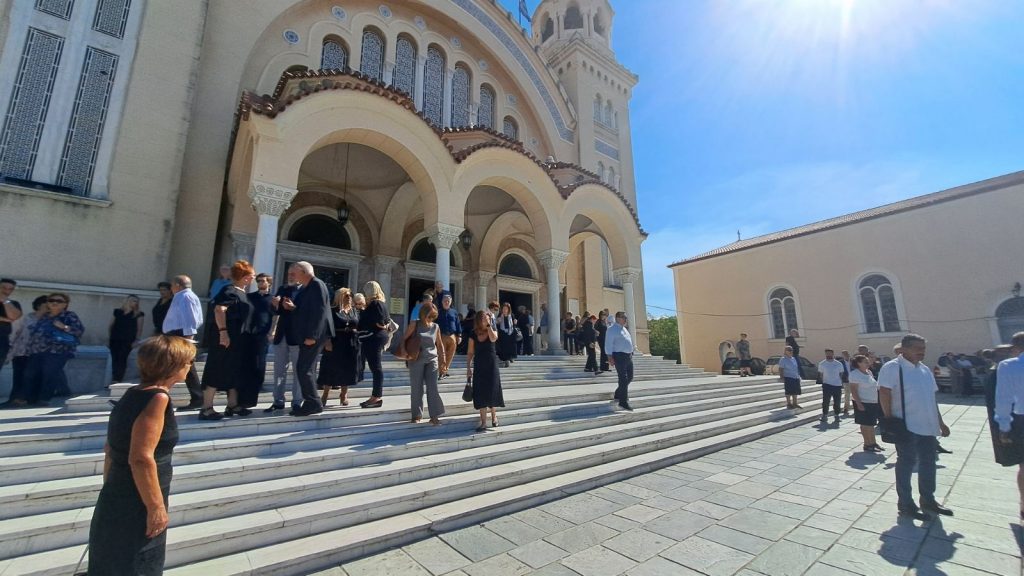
point(482, 370)
point(425, 368)
point(373, 329)
point(125, 329)
point(128, 531)
point(340, 361)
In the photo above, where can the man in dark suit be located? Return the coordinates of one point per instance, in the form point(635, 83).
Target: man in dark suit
point(311, 325)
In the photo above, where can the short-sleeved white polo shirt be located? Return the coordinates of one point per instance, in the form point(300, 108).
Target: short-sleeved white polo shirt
point(922, 415)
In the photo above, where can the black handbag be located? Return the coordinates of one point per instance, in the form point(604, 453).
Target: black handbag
point(467, 392)
point(894, 429)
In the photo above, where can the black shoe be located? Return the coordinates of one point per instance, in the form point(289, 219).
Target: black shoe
point(210, 414)
point(274, 407)
point(913, 512)
point(933, 507)
point(941, 450)
point(824, 419)
point(625, 406)
point(237, 411)
point(306, 410)
point(190, 407)
point(376, 404)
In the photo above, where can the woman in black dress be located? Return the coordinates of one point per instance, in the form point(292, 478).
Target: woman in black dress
point(588, 337)
point(230, 362)
point(125, 329)
point(506, 325)
point(482, 370)
point(339, 365)
point(128, 532)
point(602, 330)
point(373, 333)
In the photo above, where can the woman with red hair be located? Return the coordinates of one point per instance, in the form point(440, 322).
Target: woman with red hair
point(231, 360)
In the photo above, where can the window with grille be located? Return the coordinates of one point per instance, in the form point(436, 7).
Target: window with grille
point(433, 86)
point(333, 55)
point(515, 265)
point(510, 128)
point(405, 65)
point(598, 106)
point(87, 118)
point(782, 308)
point(878, 302)
point(30, 99)
point(111, 17)
point(371, 56)
point(59, 8)
point(485, 115)
point(460, 97)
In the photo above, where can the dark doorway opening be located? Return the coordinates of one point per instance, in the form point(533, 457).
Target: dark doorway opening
point(416, 289)
point(334, 277)
point(516, 299)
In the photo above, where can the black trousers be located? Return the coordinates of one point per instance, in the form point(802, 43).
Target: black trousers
point(833, 393)
point(591, 359)
point(304, 373)
point(373, 347)
point(624, 369)
point(192, 381)
point(262, 346)
point(19, 386)
point(119, 352)
point(604, 360)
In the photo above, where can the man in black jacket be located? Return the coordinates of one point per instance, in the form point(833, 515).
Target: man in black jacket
point(311, 325)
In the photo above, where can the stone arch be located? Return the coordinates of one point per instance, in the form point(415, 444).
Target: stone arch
point(348, 116)
point(611, 217)
point(519, 177)
point(503, 227)
point(295, 217)
point(401, 206)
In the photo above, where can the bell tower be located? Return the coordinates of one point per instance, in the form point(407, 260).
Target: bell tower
point(575, 39)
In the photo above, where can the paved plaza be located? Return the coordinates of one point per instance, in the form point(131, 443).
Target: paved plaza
point(806, 501)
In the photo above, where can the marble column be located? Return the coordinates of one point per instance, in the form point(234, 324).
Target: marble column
point(382, 266)
point(625, 277)
point(446, 106)
point(552, 261)
point(270, 201)
point(483, 281)
point(421, 63)
point(443, 237)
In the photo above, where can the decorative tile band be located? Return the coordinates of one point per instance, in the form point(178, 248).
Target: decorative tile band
point(475, 11)
point(606, 149)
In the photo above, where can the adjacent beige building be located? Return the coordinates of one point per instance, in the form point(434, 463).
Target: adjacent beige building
point(944, 265)
point(403, 141)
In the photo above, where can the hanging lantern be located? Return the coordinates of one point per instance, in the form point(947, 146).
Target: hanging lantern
point(466, 238)
point(343, 213)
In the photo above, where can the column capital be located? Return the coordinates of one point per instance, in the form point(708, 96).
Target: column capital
point(444, 235)
point(384, 264)
point(484, 277)
point(552, 258)
point(270, 199)
point(626, 275)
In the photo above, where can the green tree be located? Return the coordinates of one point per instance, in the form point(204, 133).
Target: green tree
point(664, 337)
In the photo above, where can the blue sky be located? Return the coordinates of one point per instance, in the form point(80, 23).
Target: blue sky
point(761, 115)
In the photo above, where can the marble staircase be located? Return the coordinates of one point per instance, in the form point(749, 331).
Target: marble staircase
point(282, 495)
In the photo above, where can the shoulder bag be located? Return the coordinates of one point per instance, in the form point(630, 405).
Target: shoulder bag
point(894, 429)
point(467, 392)
point(409, 347)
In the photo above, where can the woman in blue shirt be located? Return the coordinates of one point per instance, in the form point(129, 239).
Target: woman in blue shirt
point(789, 373)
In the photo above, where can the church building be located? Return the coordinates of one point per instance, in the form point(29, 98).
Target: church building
point(401, 141)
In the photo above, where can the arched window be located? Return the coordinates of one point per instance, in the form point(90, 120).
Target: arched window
point(424, 251)
point(878, 302)
point(782, 306)
point(460, 96)
point(333, 54)
point(573, 18)
point(599, 27)
point(485, 115)
point(600, 171)
point(515, 265)
point(608, 113)
point(405, 65)
point(371, 59)
point(612, 177)
point(1010, 318)
point(433, 86)
point(510, 128)
point(598, 106)
point(320, 230)
point(549, 29)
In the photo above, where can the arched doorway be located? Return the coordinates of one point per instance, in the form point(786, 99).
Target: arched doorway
point(1010, 318)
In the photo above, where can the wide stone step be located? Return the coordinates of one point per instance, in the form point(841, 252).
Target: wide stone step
point(272, 458)
point(53, 434)
point(324, 533)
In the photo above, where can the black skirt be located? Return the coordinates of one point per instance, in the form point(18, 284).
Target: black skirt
point(870, 416)
point(792, 386)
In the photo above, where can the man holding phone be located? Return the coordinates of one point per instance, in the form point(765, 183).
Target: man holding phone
point(286, 351)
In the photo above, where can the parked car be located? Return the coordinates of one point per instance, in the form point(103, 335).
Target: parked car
point(809, 370)
point(732, 366)
point(945, 382)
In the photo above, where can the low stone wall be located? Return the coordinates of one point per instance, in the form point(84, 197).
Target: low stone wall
point(87, 372)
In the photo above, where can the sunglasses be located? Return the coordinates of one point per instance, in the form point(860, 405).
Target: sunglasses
point(56, 301)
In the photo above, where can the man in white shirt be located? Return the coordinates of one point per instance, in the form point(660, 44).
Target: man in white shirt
point(1009, 402)
point(830, 371)
point(907, 381)
point(620, 356)
point(184, 317)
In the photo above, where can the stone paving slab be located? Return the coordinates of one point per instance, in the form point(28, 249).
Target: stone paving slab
point(804, 502)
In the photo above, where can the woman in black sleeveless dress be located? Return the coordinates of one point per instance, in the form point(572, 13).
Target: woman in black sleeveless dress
point(128, 531)
point(339, 366)
point(482, 363)
point(125, 330)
